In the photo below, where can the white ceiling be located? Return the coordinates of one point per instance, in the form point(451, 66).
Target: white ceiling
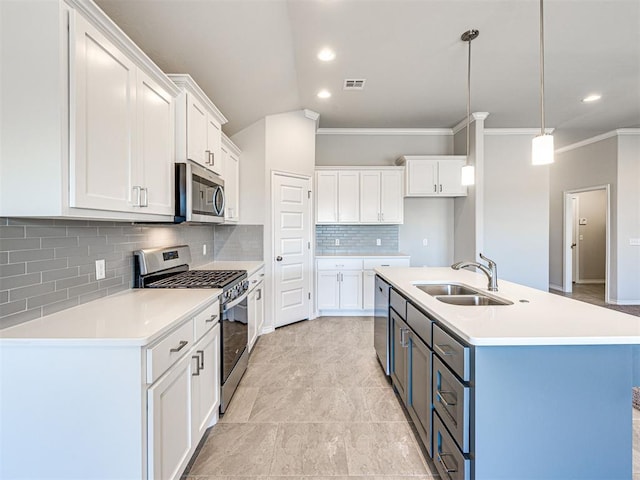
point(258, 57)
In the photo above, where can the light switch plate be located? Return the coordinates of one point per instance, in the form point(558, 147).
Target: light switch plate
point(634, 241)
point(378, 242)
point(100, 269)
point(337, 242)
point(204, 249)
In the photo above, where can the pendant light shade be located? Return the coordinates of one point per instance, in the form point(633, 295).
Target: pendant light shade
point(542, 145)
point(468, 174)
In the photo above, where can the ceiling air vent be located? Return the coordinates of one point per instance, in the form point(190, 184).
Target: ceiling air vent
point(354, 84)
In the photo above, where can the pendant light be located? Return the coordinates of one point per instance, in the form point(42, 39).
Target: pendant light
point(468, 173)
point(542, 145)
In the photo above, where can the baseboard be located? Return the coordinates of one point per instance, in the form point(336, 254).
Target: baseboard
point(624, 302)
point(345, 313)
point(588, 282)
point(266, 330)
point(555, 287)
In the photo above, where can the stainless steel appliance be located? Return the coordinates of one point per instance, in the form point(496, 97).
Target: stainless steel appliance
point(381, 327)
point(169, 268)
point(199, 194)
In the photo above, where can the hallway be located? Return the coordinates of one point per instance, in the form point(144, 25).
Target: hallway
point(594, 293)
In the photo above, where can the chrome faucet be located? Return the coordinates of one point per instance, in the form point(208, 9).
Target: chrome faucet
point(490, 270)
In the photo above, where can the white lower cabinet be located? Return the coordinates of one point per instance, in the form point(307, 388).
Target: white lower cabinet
point(346, 285)
point(205, 382)
point(255, 306)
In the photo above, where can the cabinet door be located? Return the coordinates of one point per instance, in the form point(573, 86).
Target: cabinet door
point(214, 146)
point(205, 382)
point(259, 310)
point(370, 197)
point(351, 290)
point(368, 289)
point(422, 178)
point(326, 197)
point(196, 131)
point(231, 187)
point(450, 177)
point(103, 112)
point(169, 421)
point(399, 343)
point(156, 146)
point(252, 318)
point(328, 290)
point(419, 392)
point(391, 199)
point(348, 197)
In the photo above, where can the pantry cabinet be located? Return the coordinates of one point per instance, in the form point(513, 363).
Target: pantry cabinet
point(102, 142)
point(359, 196)
point(198, 126)
point(433, 175)
point(231, 160)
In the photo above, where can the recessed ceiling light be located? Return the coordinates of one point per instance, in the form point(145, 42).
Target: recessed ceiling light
point(592, 98)
point(326, 55)
point(324, 94)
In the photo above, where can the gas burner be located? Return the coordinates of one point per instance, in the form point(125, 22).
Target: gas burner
point(199, 279)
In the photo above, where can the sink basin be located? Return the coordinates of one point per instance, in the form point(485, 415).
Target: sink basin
point(447, 289)
point(471, 300)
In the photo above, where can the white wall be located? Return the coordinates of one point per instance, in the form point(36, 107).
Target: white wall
point(516, 210)
point(251, 141)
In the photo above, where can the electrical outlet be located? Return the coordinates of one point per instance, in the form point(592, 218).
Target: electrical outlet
point(204, 249)
point(100, 269)
point(378, 242)
point(634, 241)
point(337, 242)
point(425, 242)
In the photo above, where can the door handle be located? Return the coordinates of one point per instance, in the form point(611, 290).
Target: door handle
point(278, 258)
point(573, 245)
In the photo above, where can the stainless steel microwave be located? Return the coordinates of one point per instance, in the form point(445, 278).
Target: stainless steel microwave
point(199, 195)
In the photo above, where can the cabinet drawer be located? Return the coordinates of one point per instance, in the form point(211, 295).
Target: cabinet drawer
point(452, 352)
point(451, 401)
point(340, 264)
point(256, 277)
point(420, 323)
point(398, 303)
point(371, 263)
point(450, 462)
point(206, 319)
point(168, 350)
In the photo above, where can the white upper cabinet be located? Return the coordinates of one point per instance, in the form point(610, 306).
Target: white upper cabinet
point(198, 126)
point(102, 142)
point(433, 175)
point(355, 196)
point(231, 160)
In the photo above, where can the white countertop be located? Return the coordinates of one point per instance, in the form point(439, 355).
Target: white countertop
point(132, 318)
point(546, 319)
point(250, 266)
point(365, 255)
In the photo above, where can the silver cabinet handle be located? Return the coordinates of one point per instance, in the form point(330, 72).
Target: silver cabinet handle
point(435, 188)
point(137, 192)
point(146, 197)
point(447, 353)
point(440, 188)
point(444, 465)
point(382, 216)
point(181, 345)
point(213, 158)
point(259, 297)
point(197, 372)
point(403, 340)
point(201, 355)
point(211, 318)
point(208, 160)
point(441, 394)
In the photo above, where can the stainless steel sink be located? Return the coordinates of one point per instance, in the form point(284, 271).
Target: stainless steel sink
point(471, 300)
point(447, 289)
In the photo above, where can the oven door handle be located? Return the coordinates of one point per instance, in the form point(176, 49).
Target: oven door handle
point(235, 302)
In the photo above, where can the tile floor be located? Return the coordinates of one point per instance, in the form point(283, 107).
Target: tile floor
point(594, 294)
point(314, 404)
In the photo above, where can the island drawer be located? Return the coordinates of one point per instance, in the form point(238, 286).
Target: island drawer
point(420, 323)
point(169, 350)
point(206, 319)
point(371, 263)
point(450, 462)
point(398, 303)
point(451, 401)
point(339, 264)
point(452, 352)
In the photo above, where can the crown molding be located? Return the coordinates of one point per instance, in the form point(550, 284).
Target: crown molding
point(311, 115)
point(384, 131)
point(516, 131)
point(474, 116)
point(185, 82)
point(599, 138)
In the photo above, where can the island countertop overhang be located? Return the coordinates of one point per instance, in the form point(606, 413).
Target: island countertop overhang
point(536, 317)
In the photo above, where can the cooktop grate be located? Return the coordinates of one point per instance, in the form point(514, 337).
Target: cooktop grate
point(199, 279)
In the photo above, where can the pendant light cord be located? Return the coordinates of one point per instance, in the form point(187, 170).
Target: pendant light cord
point(468, 95)
point(541, 68)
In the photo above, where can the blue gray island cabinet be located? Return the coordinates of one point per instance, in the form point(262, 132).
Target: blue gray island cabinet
point(536, 388)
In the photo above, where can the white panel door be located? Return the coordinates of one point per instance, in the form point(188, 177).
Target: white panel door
point(351, 290)
point(391, 199)
point(196, 131)
point(450, 177)
point(156, 146)
point(102, 121)
point(328, 289)
point(205, 389)
point(169, 429)
point(370, 197)
point(214, 146)
point(326, 197)
point(368, 289)
point(422, 177)
point(348, 197)
point(292, 248)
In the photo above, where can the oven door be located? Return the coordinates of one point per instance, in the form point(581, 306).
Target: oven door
point(234, 332)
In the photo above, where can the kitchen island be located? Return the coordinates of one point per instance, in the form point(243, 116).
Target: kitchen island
point(546, 388)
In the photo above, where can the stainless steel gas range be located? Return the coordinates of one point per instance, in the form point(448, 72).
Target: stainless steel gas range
point(168, 267)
